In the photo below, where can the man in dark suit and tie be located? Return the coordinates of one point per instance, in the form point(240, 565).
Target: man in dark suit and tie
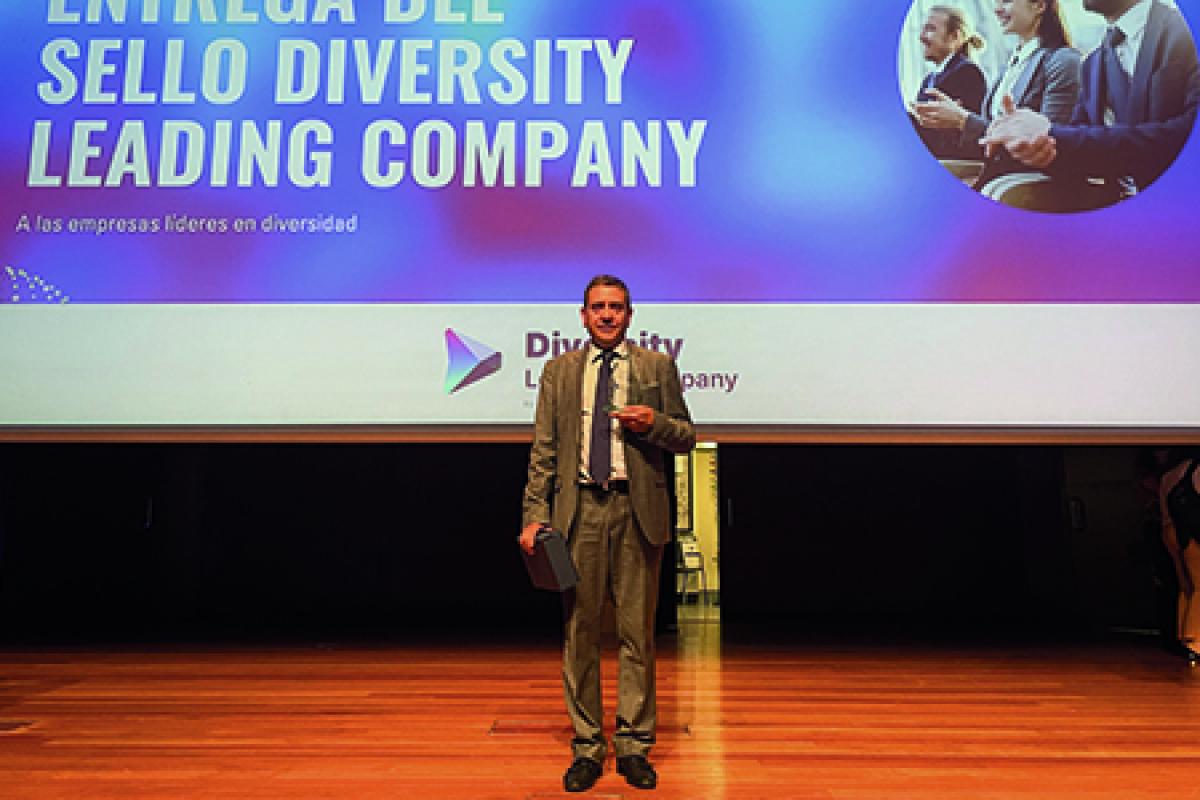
point(947, 42)
point(607, 416)
point(1137, 106)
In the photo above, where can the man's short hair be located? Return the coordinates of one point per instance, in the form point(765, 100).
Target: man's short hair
point(607, 280)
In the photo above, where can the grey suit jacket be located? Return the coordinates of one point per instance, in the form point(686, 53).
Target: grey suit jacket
point(1049, 84)
point(552, 487)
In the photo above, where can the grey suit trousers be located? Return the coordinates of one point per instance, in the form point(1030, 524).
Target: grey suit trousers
point(614, 559)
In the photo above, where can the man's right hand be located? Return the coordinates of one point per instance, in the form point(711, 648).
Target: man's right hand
point(528, 538)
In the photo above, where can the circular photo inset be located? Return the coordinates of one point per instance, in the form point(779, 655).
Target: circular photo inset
point(1051, 105)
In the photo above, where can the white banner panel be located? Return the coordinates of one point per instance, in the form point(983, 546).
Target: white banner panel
point(806, 365)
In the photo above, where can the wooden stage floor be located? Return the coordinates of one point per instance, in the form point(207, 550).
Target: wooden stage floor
point(397, 721)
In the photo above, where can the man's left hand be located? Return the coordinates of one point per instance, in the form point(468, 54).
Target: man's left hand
point(638, 419)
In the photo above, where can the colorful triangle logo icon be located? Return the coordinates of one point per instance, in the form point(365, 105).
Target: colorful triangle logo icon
point(467, 361)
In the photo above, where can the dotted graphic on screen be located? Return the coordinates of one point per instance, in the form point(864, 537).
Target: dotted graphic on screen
point(19, 286)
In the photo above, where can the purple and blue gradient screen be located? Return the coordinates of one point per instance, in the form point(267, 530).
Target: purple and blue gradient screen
point(810, 185)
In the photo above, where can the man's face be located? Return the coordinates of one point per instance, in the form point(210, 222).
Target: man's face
point(606, 316)
point(935, 36)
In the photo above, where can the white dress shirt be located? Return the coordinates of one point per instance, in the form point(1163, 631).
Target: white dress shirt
point(1133, 24)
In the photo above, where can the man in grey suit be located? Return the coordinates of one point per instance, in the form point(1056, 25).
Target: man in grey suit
point(607, 416)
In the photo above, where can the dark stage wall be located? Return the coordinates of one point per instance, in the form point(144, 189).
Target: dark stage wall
point(187, 541)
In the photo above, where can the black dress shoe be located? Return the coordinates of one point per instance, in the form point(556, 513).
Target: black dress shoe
point(582, 774)
point(637, 771)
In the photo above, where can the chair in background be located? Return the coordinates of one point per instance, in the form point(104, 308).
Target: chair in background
point(691, 563)
point(1034, 191)
point(965, 170)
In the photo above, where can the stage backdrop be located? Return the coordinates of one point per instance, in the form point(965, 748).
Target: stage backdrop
point(315, 212)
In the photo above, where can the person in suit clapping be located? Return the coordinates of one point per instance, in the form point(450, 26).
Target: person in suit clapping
point(1043, 75)
point(947, 42)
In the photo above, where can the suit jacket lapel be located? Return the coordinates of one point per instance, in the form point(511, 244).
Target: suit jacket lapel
point(951, 65)
point(1140, 83)
point(637, 378)
point(633, 396)
point(572, 403)
point(1020, 89)
point(1095, 103)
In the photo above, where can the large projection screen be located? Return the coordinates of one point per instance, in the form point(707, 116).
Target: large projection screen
point(330, 219)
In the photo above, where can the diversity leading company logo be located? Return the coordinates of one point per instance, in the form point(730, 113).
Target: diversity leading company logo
point(467, 361)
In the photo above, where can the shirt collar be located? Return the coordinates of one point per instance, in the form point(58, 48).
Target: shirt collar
point(620, 351)
point(1133, 21)
point(1027, 49)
